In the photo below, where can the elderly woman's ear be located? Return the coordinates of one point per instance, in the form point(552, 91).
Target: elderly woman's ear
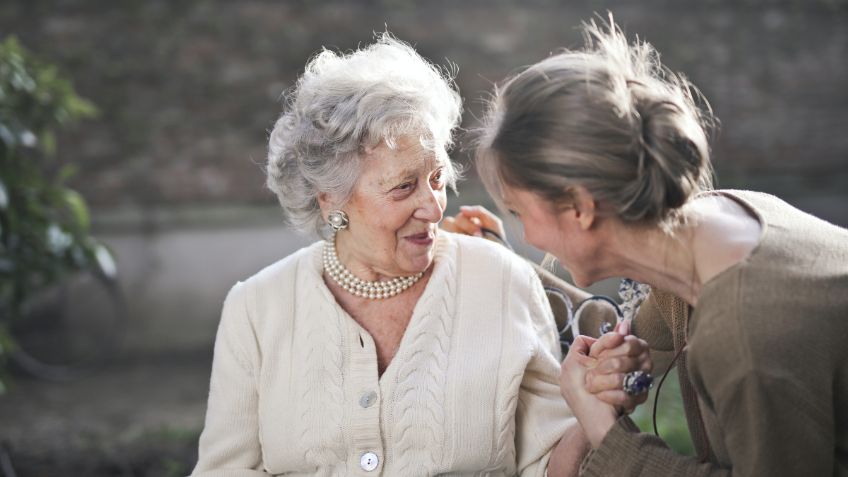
point(327, 204)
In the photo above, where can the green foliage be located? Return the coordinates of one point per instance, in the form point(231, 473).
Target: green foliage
point(671, 419)
point(44, 225)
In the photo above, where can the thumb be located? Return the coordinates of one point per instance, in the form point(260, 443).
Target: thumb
point(579, 351)
point(582, 344)
point(623, 327)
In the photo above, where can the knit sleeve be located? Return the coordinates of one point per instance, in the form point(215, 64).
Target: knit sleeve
point(541, 414)
point(229, 443)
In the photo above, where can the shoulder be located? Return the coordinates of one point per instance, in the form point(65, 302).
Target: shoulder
point(486, 255)
point(751, 199)
point(302, 264)
point(774, 211)
point(276, 285)
point(492, 274)
point(481, 261)
point(254, 306)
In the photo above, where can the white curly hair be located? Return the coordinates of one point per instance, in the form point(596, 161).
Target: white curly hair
point(344, 104)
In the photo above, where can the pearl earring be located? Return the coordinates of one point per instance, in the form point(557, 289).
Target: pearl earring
point(338, 220)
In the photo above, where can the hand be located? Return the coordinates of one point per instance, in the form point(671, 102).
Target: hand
point(471, 219)
point(595, 416)
point(618, 353)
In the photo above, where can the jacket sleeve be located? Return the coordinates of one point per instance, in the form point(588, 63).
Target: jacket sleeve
point(627, 452)
point(541, 415)
point(229, 443)
point(770, 426)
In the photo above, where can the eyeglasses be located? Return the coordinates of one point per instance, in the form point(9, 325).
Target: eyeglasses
point(572, 326)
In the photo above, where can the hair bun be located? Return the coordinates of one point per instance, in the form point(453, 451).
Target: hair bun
point(670, 164)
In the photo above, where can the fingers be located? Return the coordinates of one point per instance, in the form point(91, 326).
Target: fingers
point(606, 379)
point(485, 217)
point(608, 388)
point(468, 225)
point(598, 383)
point(579, 352)
point(608, 373)
point(608, 341)
point(622, 364)
point(471, 219)
point(449, 225)
point(622, 400)
point(582, 344)
point(461, 224)
point(627, 346)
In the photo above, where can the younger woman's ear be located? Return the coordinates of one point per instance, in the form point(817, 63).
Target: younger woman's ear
point(584, 207)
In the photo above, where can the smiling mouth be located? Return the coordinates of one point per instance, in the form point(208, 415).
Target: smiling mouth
point(423, 238)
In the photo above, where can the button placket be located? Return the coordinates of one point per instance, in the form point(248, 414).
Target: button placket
point(366, 451)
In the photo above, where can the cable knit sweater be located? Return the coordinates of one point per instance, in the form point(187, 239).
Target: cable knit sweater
point(472, 389)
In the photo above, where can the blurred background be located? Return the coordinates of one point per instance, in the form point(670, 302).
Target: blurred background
point(171, 167)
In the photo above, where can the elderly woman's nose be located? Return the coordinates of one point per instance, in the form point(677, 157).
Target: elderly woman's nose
point(430, 206)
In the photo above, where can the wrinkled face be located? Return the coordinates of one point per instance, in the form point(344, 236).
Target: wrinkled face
point(394, 211)
point(556, 232)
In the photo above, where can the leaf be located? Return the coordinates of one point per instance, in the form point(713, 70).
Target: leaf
point(79, 211)
point(48, 142)
point(106, 261)
point(67, 172)
point(58, 241)
point(4, 196)
point(80, 108)
point(6, 136)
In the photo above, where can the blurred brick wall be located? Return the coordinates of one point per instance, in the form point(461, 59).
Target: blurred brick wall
point(188, 89)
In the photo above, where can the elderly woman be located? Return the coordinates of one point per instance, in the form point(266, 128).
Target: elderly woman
point(603, 156)
point(389, 348)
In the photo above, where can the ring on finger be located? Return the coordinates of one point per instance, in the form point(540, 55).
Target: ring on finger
point(637, 382)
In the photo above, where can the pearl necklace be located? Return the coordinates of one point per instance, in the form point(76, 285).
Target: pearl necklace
point(361, 288)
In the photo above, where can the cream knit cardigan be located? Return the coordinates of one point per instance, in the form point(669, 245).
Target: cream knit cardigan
point(472, 389)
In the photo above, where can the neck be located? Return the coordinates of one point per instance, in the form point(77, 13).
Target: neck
point(662, 260)
point(348, 256)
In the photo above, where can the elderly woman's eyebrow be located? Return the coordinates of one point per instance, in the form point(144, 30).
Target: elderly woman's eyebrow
point(409, 173)
point(404, 175)
point(395, 179)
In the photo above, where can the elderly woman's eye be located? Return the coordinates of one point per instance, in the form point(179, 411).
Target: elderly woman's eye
point(438, 178)
point(514, 213)
point(403, 190)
